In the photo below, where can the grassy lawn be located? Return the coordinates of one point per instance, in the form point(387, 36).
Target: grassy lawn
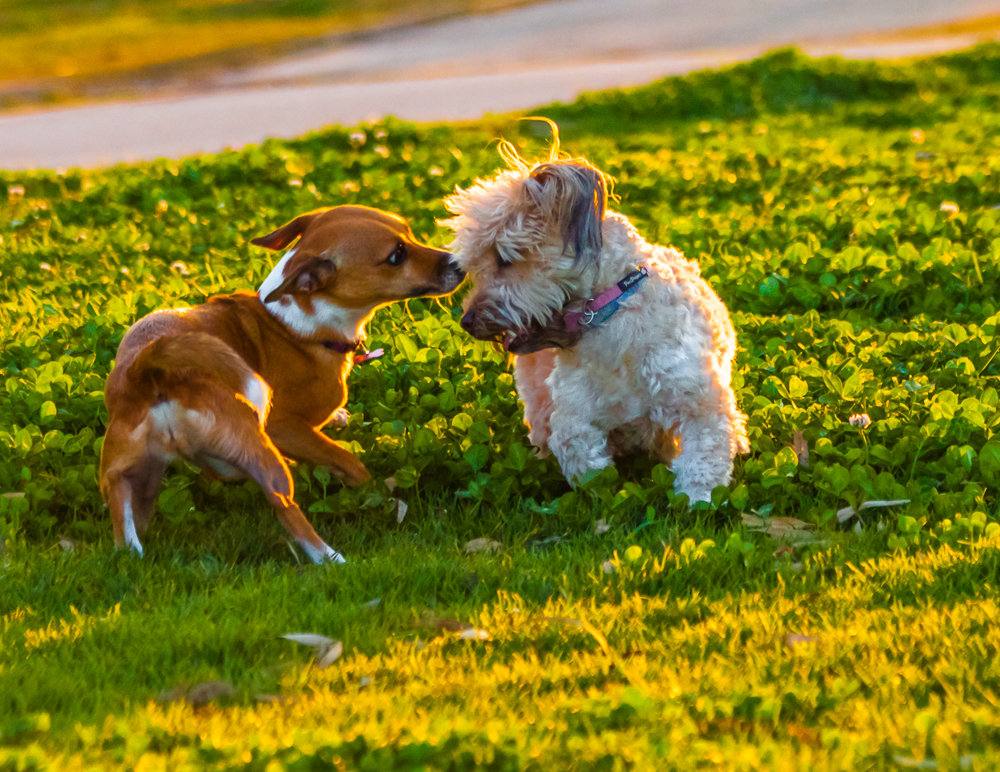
point(848, 215)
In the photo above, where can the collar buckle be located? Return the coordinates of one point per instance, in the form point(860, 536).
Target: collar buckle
point(603, 306)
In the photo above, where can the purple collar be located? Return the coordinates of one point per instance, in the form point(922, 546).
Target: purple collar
point(601, 307)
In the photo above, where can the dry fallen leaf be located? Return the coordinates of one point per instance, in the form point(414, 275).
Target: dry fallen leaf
point(801, 448)
point(328, 650)
point(845, 514)
point(601, 527)
point(474, 634)
point(331, 655)
point(788, 528)
point(390, 483)
point(429, 619)
point(199, 694)
point(372, 603)
point(68, 545)
point(401, 507)
point(608, 567)
point(793, 639)
point(12, 495)
point(310, 639)
point(804, 734)
point(464, 629)
point(202, 694)
point(483, 544)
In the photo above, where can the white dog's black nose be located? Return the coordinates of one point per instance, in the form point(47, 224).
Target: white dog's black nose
point(468, 320)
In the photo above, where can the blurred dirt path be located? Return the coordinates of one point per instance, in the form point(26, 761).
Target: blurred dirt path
point(462, 68)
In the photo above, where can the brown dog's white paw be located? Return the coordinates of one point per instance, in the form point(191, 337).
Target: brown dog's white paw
point(340, 417)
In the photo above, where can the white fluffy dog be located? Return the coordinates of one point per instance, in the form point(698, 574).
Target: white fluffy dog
point(620, 344)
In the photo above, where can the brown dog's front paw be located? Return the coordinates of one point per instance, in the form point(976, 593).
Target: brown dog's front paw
point(352, 472)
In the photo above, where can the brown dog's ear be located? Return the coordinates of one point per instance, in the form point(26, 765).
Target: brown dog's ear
point(306, 277)
point(287, 233)
point(576, 193)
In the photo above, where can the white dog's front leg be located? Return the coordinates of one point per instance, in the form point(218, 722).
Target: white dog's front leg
point(578, 445)
point(705, 460)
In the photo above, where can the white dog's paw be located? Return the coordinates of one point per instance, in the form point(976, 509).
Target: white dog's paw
point(696, 494)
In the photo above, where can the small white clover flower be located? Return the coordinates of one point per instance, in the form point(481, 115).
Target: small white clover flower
point(357, 139)
point(860, 420)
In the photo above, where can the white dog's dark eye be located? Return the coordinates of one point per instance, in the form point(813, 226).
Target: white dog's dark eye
point(397, 256)
point(503, 262)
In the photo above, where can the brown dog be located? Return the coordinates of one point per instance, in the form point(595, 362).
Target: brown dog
point(233, 384)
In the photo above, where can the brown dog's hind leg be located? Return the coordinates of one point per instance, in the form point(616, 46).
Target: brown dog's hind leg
point(131, 497)
point(145, 480)
point(130, 482)
point(251, 451)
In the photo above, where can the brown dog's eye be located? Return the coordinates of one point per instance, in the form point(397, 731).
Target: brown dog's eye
point(398, 256)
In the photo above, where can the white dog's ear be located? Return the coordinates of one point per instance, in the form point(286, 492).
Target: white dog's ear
point(576, 195)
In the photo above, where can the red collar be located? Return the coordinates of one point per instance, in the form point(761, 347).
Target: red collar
point(344, 347)
point(341, 346)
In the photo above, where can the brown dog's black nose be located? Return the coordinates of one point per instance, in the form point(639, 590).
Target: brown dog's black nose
point(468, 320)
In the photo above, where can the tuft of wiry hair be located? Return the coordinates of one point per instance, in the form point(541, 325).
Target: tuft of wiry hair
point(577, 196)
point(548, 214)
point(569, 193)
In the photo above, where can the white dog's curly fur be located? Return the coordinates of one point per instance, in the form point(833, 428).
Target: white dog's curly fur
point(538, 242)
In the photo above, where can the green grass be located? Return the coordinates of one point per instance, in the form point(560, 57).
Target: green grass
point(845, 212)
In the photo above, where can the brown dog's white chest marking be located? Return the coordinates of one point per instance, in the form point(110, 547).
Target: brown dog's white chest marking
point(237, 383)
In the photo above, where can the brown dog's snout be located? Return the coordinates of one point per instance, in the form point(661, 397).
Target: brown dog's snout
point(451, 274)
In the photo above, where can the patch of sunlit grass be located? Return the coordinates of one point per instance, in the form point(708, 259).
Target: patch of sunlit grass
point(811, 672)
